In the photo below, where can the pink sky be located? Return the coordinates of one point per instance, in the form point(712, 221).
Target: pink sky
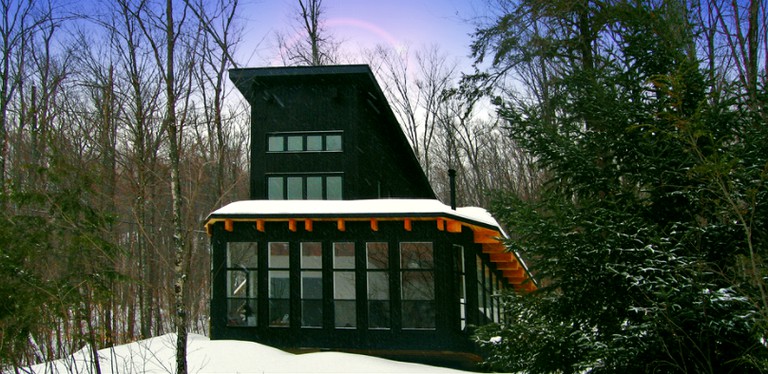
point(365, 23)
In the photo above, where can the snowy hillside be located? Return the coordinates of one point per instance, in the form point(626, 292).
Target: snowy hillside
point(157, 355)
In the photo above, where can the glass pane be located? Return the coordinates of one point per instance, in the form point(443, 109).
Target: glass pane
point(241, 312)
point(344, 314)
point(311, 313)
point(314, 188)
point(295, 188)
point(276, 144)
point(418, 315)
point(377, 255)
point(333, 188)
point(343, 255)
point(242, 254)
point(333, 142)
point(378, 314)
point(344, 285)
point(378, 285)
point(279, 315)
point(479, 269)
point(278, 255)
point(418, 285)
point(481, 298)
point(279, 285)
point(315, 143)
point(295, 143)
point(241, 283)
point(275, 188)
point(458, 258)
point(311, 255)
point(416, 256)
point(311, 285)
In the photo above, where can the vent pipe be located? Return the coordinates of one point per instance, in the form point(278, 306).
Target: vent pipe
point(452, 183)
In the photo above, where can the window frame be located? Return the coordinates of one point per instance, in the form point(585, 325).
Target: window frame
point(248, 303)
point(420, 270)
point(281, 180)
point(280, 142)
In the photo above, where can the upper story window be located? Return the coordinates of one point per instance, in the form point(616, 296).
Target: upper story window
point(304, 187)
point(304, 142)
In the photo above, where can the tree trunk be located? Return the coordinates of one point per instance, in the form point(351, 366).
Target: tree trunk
point(171, 127)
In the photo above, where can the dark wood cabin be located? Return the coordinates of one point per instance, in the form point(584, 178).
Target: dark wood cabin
point(343, 245)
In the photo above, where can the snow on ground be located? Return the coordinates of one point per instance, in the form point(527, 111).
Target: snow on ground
point(157, 355)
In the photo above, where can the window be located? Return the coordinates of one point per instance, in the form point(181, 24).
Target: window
point(276, 144)
point(488, 287)
point(500, 309)
point(294, 143)
point(495, 297)
point(344, 291)
point(377, 265)
point(480, 293)
point(304, 187)
point(242, 266)
point(304, 142)
point(417, 280)
point(314, 143)
point(333, 143)
point(461, 291)
point(279, 284)
point(275, 189)
point(311, 284)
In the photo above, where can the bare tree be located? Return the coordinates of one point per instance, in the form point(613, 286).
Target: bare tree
point(220, 39)
point(736, 42)
point(165, 51)
point(15, 28)
point(309, 43)
point(416, 96)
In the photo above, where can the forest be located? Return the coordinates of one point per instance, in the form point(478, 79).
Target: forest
point(623, 145)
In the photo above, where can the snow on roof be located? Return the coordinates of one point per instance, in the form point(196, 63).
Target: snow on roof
point(479, 219)
point(344, 208)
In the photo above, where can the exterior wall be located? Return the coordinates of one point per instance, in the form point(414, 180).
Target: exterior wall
point(376, 160)
point(450, 328)
point(301, 109)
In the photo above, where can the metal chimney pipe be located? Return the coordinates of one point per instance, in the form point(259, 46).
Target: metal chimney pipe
point(452, 183)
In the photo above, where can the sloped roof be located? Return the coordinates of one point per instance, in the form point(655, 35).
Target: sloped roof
point(485, 228)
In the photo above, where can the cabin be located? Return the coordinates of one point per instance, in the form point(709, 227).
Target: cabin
point(343, 244)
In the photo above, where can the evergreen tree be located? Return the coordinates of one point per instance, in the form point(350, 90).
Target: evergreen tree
point(649, 234)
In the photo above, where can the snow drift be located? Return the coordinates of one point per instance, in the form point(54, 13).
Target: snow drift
point(157, 355)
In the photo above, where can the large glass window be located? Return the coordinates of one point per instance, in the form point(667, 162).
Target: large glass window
point(304, 142)
point(311, 284)
point(304, 187)
point(377, 266)
point(242, 266)
point(279, 284)
point(344, 300)
point(417, 280)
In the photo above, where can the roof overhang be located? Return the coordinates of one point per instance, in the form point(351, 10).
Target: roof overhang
point(302, 214)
